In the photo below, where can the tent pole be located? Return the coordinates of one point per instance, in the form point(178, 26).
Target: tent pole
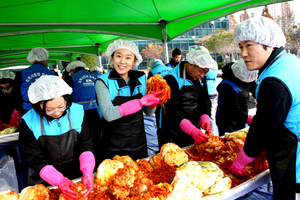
point(99, 56)
point(165, 47)
point(163, 23)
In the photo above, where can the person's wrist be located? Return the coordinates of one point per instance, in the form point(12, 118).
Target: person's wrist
point(194, 132)
point(187, 127)
point(243, 159)
point(249, 119)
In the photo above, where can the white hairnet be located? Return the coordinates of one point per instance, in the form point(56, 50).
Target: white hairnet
point(240, 71)
point(47, 87)
point(7, 75)
point(151, 63)
point(74, 65)
point(202, 59)
point(123, 44)
point(38, 54)
point(202, 48)
point(261, 30)
point(97, 69)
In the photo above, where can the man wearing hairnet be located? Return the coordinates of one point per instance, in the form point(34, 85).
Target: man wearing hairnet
point(121, 95)
point(211, 82)
point(39, 59)
point(83, 84)
point(233, 91)
point(276, 126)
point(188, 109)
point(55, 138)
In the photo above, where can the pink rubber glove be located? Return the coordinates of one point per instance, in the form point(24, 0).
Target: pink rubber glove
point(151, 100)
point(187, 127)
point(133, 106)
point(204, 122)
point(16, 115)
point(249, 119)
point(54, 177)
point(240, 162)
point(87, 165)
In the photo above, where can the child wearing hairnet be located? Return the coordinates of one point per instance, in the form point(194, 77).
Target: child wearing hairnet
point(233, 97)
point(189, 108)
point(122, 100)
point(55, 139)
point(275, 128)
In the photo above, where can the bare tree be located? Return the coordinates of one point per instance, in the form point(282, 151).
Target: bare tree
point(266, 13)
point(232, 22)
point(287, 17)
point(244, 16)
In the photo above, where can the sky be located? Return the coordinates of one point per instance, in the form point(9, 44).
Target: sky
point(295, 5)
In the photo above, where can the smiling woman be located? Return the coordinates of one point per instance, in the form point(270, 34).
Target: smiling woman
point(55, 138)
point(121, 95)
point(123, 60)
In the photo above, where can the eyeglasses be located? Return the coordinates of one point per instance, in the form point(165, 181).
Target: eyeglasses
point(57, 109)
point(203, 71)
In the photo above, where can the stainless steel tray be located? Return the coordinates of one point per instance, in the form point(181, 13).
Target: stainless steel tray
point(248, 186)
point(9, 138)
point(238, 191)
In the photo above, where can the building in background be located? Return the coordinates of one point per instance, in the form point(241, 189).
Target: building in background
point(187, 40)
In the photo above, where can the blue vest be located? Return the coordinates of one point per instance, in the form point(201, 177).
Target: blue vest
point(97, 74)
point(211, 81)
point(176, 74)
point(159, 68)
point(56, 126)
point(287, 69)
point(234, 86)
point(115, 90)
point(84, 89)
point(172, 66)
point(29, 76)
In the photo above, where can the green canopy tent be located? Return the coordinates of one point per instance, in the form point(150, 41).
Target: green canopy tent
point(68, 28)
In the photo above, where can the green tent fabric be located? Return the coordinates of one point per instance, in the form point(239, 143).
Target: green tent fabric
point(68, 28)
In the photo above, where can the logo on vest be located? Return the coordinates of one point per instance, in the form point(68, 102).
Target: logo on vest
point(87, 80)
point(32, 78)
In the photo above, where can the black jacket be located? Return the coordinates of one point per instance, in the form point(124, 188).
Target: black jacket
point(232, 110)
